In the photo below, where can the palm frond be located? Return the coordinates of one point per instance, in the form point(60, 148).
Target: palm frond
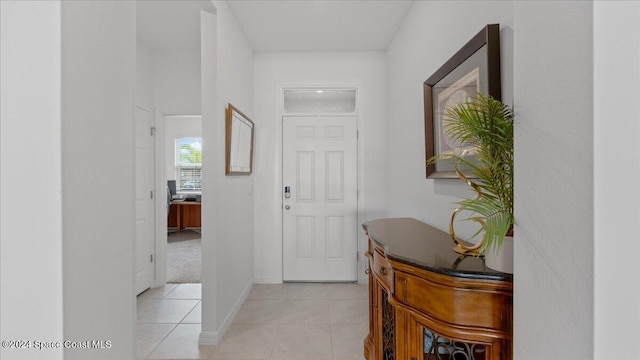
point(497, 218)
point(487, 125)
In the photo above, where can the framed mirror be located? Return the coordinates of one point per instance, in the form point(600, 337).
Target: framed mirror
point(239, 142)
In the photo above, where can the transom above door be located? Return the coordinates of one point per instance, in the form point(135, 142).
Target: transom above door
point(319, 101)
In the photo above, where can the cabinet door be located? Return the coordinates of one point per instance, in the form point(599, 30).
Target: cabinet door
point(426, 344)
point(369, 346)
point(385, 327)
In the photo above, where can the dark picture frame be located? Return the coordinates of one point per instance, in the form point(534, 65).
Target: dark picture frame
point(475, 68)
point(239, 142)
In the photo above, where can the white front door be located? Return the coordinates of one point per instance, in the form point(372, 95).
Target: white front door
point(320, 213)
point(144, 204)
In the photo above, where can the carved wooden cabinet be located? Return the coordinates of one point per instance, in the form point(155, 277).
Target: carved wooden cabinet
point(428, 303)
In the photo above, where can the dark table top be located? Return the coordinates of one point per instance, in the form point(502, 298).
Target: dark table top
point(415, 243)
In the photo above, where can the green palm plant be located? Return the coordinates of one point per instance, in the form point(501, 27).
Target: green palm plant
point(485, 124)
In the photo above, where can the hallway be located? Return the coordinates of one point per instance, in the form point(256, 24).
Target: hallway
point(281, 321)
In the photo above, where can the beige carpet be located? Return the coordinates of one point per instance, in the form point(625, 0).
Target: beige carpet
point(184, 260)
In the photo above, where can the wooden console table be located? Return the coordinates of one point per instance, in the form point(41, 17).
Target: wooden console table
point(427, 303)
point(184, 214)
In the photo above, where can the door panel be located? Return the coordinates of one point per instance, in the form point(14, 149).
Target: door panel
point(305, 237)
point(335, 238)
point(144, 204)
point(320, 216)
point(305, 176)
point(334, 176)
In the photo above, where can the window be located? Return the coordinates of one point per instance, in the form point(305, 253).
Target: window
point(319, 101)
point(188, 156)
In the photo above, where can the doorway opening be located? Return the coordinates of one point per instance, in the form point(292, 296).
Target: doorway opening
point(174, 72)
point(183, 172)
point(320, 185)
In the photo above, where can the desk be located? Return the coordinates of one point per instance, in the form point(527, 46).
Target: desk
point(184, 214)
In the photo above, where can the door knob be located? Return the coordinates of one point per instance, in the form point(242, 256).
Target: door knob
point(287, 207)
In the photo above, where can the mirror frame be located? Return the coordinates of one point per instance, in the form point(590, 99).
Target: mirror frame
point(232, 112)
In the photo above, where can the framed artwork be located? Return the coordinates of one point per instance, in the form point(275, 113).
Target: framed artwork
point(474, 69)
point(239, 142)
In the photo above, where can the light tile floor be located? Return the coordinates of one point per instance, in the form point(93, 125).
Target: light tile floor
point(278, 322)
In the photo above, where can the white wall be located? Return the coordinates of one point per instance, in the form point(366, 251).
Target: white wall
point(98, 88)
point(31, 214)
point(553, 262)
point(227, 207)
point(235, 212)
point(145, 82)
point(176, 127)
point(176, 91)
point(617, 172)
point(365, 70)
point(551, 77)
point(418, 50)
point(94, 223)
point(177, 81)
point(552, 94)
point(210, 196)
point(554, 273)
point(169, 81)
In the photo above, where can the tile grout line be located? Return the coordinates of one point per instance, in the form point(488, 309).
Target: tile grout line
point(330, 335)
point(163, 339)
point(189, 312)
point(326, 296)
point(273, 346)
point(278, 324)
point(164, 297)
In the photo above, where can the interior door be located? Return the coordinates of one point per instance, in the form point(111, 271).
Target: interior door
point(320, 198)
point(145, 160)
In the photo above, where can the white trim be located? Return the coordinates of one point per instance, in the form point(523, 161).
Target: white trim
point(160, 255)
point(267, 280)
point(362, 241)
point(278, 173)
point(208, 338)
point(214, 337)
point(156, 197)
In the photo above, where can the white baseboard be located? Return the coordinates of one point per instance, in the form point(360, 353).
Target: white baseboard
point(234, 310)
point(208, 338)
point(267, 280)
point(214, 337)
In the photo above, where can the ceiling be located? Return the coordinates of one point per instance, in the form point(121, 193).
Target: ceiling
point(171, 24)
point(312, 25)
point(278, 26)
